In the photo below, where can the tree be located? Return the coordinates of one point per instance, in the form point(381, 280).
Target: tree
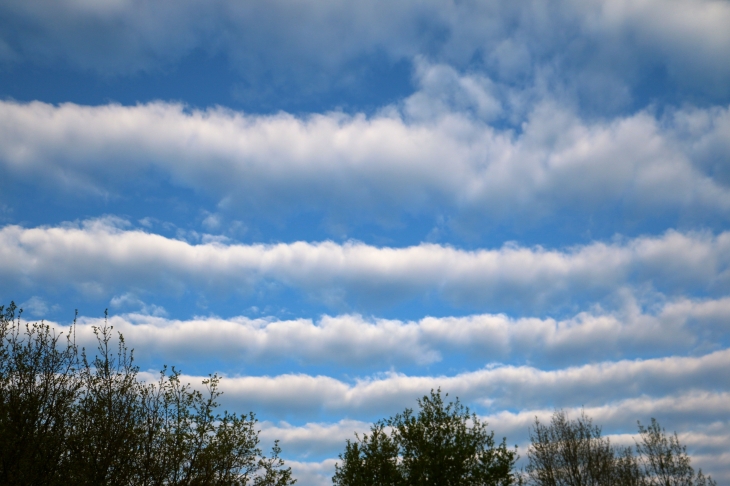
point(440, 445)
point(664, 461)
point(573, 453)
point(39, 385)
point(69, 419)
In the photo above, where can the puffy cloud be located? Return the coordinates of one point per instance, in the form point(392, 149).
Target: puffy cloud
point(390, 163)
point(314, 438)
point(36, 306)
point(351, 341)
point(98, 258)
point(697, 415)
point(526, 114)
point(496, 387)
point(313, 473)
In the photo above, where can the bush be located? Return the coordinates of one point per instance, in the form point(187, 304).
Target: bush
point(68, 419)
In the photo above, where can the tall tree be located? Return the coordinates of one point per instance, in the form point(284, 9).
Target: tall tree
point(569, 453)
point(442, 444)
point(664, 460)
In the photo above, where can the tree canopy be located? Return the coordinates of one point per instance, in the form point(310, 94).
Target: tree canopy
point(573, 453)
point(67, 418)
point(442, 444)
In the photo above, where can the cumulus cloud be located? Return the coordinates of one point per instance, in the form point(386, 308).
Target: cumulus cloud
point(679, 412)
point(524, 116)
point(416, 160)
point(355, 342)
point(314, 438)
point(496, 387)
point(130, 300)
point(98, 258)
point(313, 473)
point(36, 306)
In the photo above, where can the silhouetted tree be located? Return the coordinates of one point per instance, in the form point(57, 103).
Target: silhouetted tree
point(573, 453)
point(69, 419)
point(39, 386)
point(664, 461)
point(440, 445)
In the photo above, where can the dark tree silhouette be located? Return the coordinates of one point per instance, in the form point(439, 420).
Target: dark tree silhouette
point(664, 461)
point(66, 418)
point(443, 444)
point(573, 453)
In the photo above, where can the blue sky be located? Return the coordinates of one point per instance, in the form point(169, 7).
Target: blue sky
point(341, 205)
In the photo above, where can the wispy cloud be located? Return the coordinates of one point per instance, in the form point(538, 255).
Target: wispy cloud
point(574, 40)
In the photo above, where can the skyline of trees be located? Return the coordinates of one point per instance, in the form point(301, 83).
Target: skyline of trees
point(69, 417)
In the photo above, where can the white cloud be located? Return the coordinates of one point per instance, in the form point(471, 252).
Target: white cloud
point(99, 259)
point(498, 387)
point(129, 300)
point(521, 115)
point(313, 473)
point(312, 439)
point(35, 306)
point(354, 342)
point(699, 412)
point(387, 164)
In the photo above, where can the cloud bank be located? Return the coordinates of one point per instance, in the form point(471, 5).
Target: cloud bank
point(599, 47)
point(502, 386)
point(99, 258)
point(352, 342)
point(389, 163)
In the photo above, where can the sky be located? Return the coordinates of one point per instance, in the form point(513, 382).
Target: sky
point(339, 206)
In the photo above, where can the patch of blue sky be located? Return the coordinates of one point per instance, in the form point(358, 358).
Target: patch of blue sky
point(201, 80)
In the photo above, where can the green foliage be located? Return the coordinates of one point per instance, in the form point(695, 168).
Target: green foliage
point(573, 453)
point(68, 419)
point(440, 445)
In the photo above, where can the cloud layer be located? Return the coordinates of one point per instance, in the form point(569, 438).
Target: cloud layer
point(416, 160)
point(571, 42)
point(501, 387)
point(352, 342)
point(98, 258)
